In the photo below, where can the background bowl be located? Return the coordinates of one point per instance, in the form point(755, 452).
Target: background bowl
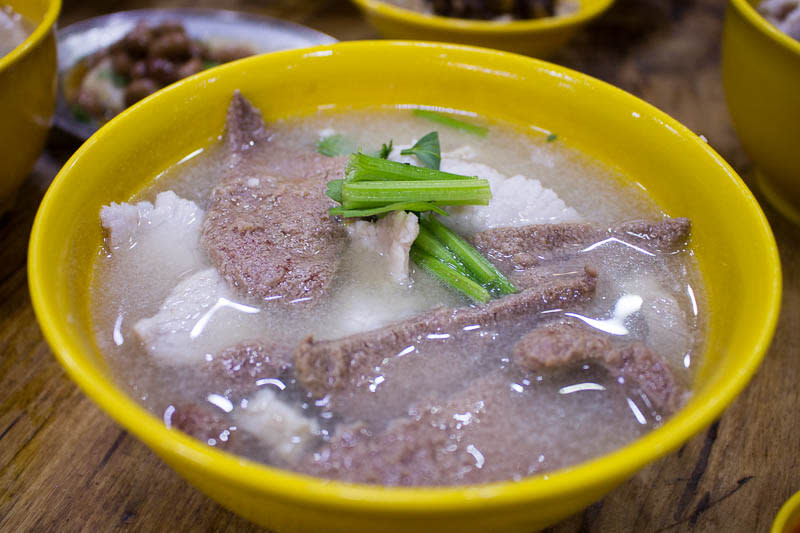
point(788, 518)
point(537, 37)
point(260, 33)
point(27, 95)
point(732, 241)
point(761, 75)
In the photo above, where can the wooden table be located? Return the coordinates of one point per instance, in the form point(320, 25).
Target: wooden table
point(65, 466)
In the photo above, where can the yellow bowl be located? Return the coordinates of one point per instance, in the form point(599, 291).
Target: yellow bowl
point(788, 518)
point(761, 75)
point(537, 37)
point(27, 95)
point(732, 240)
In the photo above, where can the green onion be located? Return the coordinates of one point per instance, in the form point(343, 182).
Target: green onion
point(448, 275)
point(336, 144)
point(363, 194)
point(447, 120)
point(552, 137)
point(410, 206)
point(362, 167)
point(427, 150)
point(481, 269)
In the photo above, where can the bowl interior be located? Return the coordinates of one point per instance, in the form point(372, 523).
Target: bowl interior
point(731, 238)
point(41, 14)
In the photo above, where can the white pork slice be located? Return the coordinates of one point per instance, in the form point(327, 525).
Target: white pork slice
point(516, 201)
point(198, 319)
point(283, 428)
point(157, 244)
point(390, 238)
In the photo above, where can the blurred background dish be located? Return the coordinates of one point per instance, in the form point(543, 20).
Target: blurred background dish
point(223, 36)
point(538, 37)
point(761, 76)
point(27, 89)
point(788, 518)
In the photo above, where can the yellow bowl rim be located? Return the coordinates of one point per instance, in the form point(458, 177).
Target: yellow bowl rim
point(765, 26)
point(783, 516)
point(38, 35)
point(438, 22)
point(326, 494)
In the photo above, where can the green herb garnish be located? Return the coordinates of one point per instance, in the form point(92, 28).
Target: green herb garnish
point(118, 80)
point(447, 120)
point(210, 64)
point(385, 150)
point(334, 191)
point(336, 144)
point(80, 114)
point(427, 150)
point(552, 137)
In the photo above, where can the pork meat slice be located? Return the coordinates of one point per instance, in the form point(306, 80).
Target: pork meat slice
point(198, 318)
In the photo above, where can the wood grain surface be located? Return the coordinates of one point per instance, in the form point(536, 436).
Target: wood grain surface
point(65, 466)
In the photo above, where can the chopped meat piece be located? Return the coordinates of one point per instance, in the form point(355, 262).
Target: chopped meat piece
point(243, 125)
point(561, 345)
point(282, 427)
point(205, 423)
point(243, 365)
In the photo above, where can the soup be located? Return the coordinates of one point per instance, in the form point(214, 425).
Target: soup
point(231, 304)
point(13, 30)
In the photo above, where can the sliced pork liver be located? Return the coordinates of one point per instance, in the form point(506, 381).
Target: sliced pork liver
point(267, 228)
point(558, 346)
point(326, 366)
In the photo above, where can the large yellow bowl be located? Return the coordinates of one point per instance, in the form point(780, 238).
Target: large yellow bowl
point(732, 240)
point(27, 95)
point(537, 37)
point(761, 75)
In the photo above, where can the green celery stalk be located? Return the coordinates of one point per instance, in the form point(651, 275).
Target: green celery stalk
point(428, 243)
point(365, 194)
point(363, 167)
point(408, 206)
point(481, 269)
point(449, 276)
